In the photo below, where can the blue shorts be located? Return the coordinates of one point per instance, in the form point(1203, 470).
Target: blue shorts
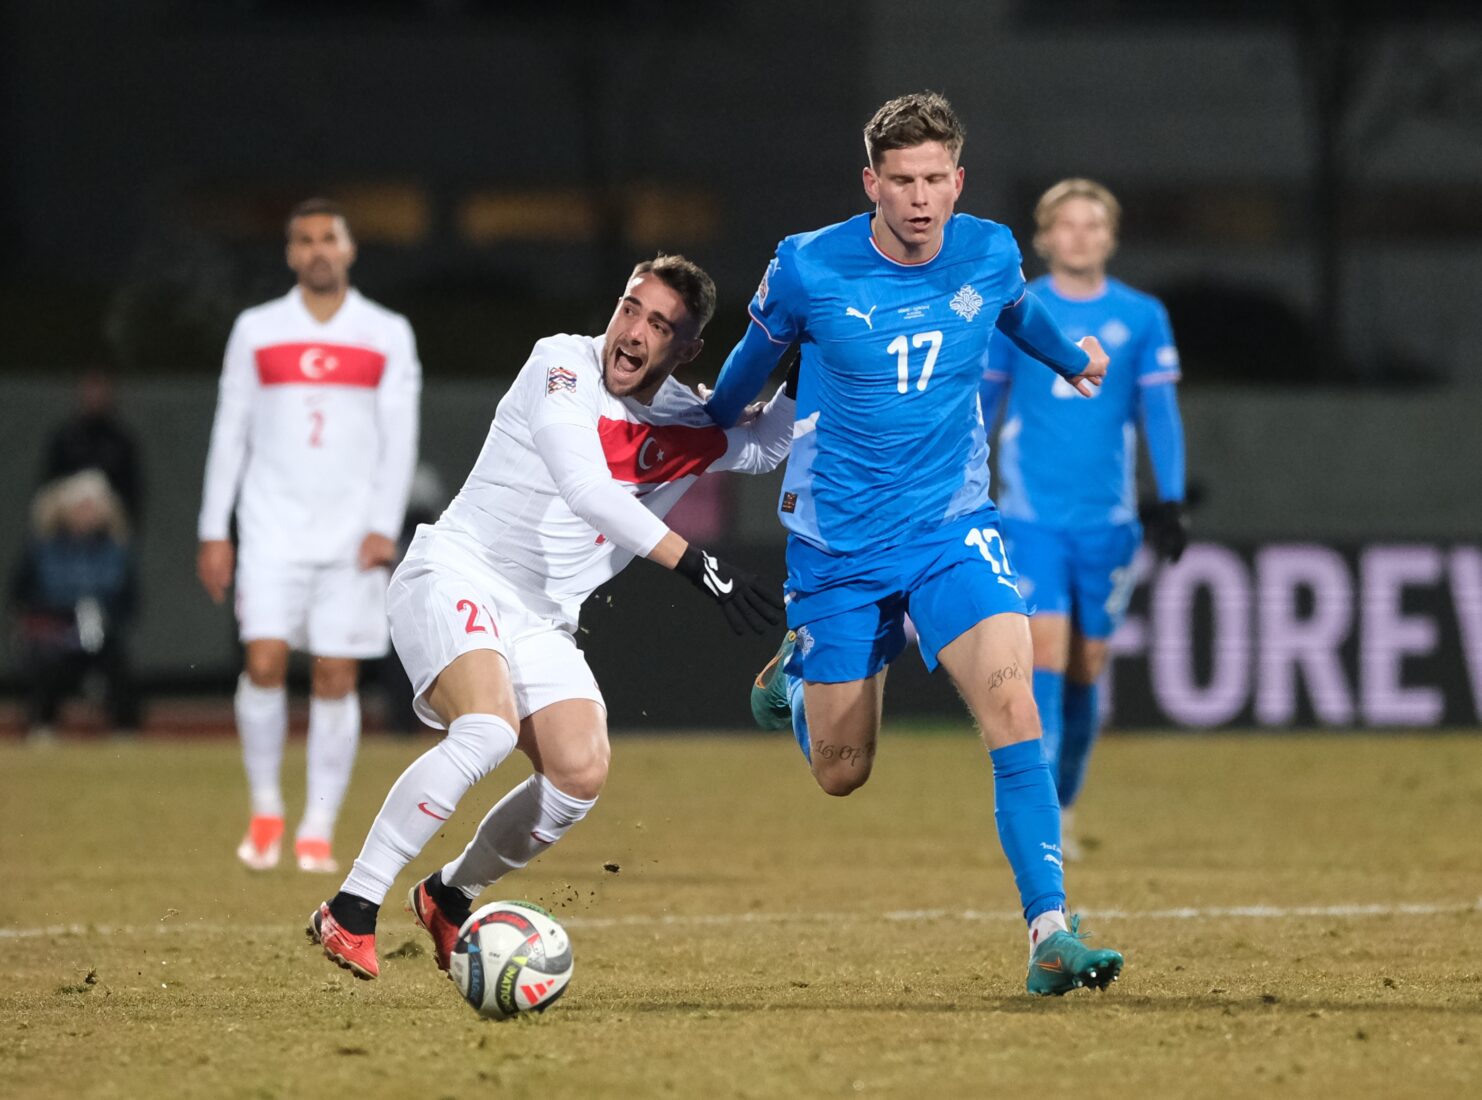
point(948, 582)
point(1086, 574)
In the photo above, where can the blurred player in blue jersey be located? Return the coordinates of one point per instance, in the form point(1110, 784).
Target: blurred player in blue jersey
point(886, 493)
point(1068, 468)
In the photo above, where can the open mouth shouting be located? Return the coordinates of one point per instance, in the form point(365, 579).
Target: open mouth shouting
point(625, 368)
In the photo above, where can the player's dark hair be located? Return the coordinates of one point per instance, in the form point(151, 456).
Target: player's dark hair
point(310, 207)
point(687, 279)
point(911, 120)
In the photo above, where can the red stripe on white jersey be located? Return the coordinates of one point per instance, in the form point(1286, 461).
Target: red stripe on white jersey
point(319, 365)
point(658, 453)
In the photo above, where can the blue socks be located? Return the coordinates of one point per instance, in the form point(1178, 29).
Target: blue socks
point(799, 716)
point(1028, 817)
point(1049, 687)
point(1082, 717)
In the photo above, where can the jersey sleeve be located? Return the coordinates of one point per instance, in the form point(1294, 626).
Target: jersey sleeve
point(1032, 328)
point(573, 455)
point(761, 445)
point(778, 314)
point(1163, 429)
point(227, 456)
point(398, 400)
point(1159, 360)
point(564, 389)
point(1012, 272)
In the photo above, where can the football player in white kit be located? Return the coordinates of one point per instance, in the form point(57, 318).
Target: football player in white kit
point(314, 443)
point(589, 449)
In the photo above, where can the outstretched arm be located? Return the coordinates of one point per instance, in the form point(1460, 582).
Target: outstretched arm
point(1034, 332)
point(762, 443)
point(744, 373)
point(573, 455)
point(777, 313)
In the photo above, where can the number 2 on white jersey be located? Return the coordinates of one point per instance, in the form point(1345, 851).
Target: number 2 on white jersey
point(900, 348)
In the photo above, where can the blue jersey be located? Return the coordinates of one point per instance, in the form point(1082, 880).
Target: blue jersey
point(1066, 461)
point(889, 442)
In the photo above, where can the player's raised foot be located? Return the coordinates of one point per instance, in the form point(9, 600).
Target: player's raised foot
point(314, 856)
point(769, 703)
point(357, 954)
point(259, 848)
point(441, 926)
point(1062, 962)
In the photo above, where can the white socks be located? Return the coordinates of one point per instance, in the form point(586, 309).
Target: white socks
point(424, 797)
point(1045, 925)
point(525, 823)
point(334, 734)
point(262, 724)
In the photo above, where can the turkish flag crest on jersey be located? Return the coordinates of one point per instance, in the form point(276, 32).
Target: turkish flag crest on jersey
point(319, 364)
point(657, 453)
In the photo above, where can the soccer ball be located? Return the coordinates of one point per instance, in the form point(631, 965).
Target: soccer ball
point(511, 957)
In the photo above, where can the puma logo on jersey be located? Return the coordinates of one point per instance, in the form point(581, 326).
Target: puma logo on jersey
point(867, 318)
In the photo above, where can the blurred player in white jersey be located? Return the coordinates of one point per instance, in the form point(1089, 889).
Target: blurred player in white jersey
point(314, 443)
point(589, 449)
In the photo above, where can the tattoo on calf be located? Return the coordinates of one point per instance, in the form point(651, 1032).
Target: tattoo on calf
point(1004, 675)
point(846, 754)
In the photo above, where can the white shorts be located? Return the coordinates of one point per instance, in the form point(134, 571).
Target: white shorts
point(443, 602)
point(334, 610)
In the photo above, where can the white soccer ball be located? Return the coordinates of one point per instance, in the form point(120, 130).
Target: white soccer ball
point(511, 957)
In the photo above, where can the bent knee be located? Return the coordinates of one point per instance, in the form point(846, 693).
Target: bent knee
point(841, 781)
point(581, 775)
point(1013, 717)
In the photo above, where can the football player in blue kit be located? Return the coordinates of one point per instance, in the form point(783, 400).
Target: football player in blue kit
point(1067, 467)
point(886, 493)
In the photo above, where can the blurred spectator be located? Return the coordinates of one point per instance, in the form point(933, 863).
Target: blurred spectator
point(74, 596)
point(94, 438)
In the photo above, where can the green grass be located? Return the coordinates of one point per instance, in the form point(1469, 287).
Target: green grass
point(753, 942)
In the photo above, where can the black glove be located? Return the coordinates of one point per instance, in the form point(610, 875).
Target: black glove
point(741, 596)
point(1167, 530)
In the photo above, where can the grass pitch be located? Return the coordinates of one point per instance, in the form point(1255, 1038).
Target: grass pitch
point(1299, 916)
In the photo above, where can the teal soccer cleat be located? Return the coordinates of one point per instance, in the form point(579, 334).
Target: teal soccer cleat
point(769, 703)
point(1062, 963)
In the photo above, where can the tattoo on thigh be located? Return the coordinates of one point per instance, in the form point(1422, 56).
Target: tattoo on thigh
point(845, 754)
point(1004, 675)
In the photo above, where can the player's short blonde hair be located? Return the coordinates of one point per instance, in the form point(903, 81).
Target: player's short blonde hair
point(911, 120)
point(1074, 188)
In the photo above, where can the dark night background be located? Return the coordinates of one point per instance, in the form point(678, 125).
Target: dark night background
point(1302, 185)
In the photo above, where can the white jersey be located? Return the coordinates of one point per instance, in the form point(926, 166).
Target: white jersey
point(514, 517)
point(316, 425)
